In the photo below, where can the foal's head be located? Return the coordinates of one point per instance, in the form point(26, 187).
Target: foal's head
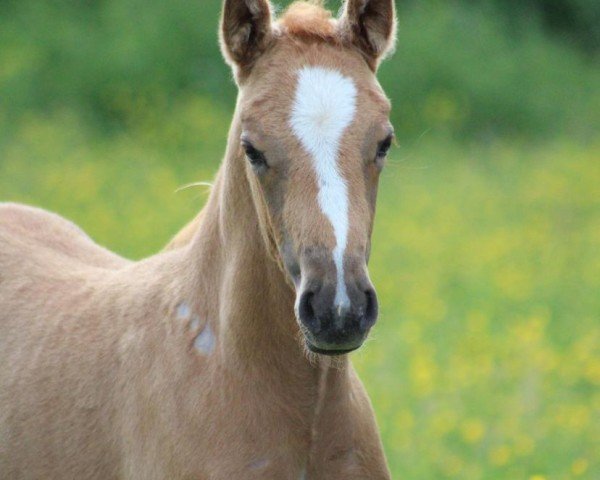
point(315, 134)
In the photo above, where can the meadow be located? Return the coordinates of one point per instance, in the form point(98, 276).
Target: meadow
point(485, 363)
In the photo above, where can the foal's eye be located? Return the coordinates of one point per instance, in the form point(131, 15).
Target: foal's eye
point(254, 156)
point(384, 147)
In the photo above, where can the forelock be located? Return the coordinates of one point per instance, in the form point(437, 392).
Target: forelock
point(308, 19)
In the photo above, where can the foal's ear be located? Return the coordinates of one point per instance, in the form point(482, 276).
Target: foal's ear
point(371, 26)
point(245, 31)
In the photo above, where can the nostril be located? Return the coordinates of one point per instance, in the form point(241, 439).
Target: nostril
point(306, 311)
point(370, 316)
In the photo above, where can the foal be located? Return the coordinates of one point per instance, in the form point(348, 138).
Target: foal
point(198, 363)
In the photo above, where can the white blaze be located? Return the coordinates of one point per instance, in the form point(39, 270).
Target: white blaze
point(324, 107)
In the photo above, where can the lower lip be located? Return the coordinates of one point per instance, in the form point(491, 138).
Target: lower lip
point(321, 351)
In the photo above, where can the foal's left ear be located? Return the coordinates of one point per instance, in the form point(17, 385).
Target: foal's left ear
point(371, 26)
point(245, 32)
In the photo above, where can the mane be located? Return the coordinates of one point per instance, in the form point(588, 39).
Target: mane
point(308, 19)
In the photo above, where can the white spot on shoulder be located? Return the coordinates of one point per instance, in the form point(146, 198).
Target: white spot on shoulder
point(205, 341)
point(324, 106)
point(259, 464)
point(183, 311)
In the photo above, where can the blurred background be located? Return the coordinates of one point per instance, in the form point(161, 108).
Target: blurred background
point(485, 363)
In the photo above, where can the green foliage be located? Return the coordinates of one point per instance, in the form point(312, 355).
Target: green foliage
point(577, 21)
point(462, 71)
point(57, 162)
point(101, 57)
point(461, 68)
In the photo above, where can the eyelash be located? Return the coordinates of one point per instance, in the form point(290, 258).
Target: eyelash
point(384, 147)
point(254, 156)
point(257, 158)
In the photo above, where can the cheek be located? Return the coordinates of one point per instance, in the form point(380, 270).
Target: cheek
point(372, 187)
point(370, 180)
point(363, 195)
point(290, 259)
point(273, 185)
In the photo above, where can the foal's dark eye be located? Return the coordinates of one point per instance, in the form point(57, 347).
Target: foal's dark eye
point(384, 147)
point(255, 157)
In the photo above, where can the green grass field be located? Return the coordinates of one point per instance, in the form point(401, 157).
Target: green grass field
point(485, 362)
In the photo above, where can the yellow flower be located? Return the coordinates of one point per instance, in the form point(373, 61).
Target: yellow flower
point(579, 466)
point(472, 430)
point(444, 422)
point(592, 371)
point(524, 445)
point(500, 455)
point(422, 373)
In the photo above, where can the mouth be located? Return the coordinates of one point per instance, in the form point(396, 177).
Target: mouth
point(330, 352)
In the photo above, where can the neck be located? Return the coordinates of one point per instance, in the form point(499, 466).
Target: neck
point(252, 302)
point(235, 283)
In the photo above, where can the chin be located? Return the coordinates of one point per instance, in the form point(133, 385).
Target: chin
point(331, 351)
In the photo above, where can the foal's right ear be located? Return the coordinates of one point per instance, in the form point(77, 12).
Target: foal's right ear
point(245, 32)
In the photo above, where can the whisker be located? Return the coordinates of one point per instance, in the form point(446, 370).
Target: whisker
point(194, 184)
point(403, 159)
